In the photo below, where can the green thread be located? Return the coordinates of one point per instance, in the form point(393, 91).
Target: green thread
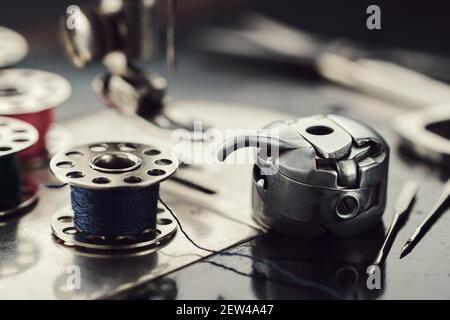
point(10, 182)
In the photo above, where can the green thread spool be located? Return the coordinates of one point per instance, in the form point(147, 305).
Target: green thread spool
point(10, 182)
point(15, 136)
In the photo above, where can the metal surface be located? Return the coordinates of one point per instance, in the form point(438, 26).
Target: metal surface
point(216, 219)
point(14, 47)
point(25, 91)
point(108, 165)
point(322, 185)
point(15, 136)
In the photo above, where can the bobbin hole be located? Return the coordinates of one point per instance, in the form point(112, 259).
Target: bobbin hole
point(9, 92)
point(70, 231)
point(99, 147)
point(65, 164)
point(65, 219)
point(75, 174)
point(152, 152)
point(163, 162)
point(21, 140)
point(126, 239)
point(132, 179)
point(164, 221)
point(160, 210)
point(5, 148)
point(101, 180)
point(156, 172)
point(95, 239)
point(152, 232)
point(74, 154)
point(128, 147)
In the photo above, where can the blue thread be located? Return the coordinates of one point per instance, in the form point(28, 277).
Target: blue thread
point(295, 279)
point(115, 212)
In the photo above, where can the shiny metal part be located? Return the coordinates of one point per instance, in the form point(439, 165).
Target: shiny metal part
point(441, 205)
point(89, 34)
point(15, 136)
point(426, 133)
point(402, 209)
point(108, 165)
point(321, 185)
point(133, 93)
point(14, 47)
point(64, 229)
point(25, 91)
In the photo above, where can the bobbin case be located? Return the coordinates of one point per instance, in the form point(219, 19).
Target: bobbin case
point(330, 177)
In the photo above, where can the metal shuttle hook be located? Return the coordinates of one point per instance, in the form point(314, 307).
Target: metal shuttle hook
point(258, 141)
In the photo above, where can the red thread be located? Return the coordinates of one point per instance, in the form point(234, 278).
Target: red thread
point(41, 121)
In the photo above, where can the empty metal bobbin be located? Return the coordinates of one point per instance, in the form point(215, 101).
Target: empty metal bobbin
point(110, 166)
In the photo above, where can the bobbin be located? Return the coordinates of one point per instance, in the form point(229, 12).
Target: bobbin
point(16, 136)
point(110, 166)
point(30, 95)
point(14, 47)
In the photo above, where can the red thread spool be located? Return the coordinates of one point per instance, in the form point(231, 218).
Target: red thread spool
point(42, 121)
point(30, 96)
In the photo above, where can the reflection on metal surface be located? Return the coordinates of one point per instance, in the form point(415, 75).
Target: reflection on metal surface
point(340, 264)
point(100, 278)
point(17, 253)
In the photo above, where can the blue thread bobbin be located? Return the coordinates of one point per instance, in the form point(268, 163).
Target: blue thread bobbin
point(114, 196)
point(17, 196)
